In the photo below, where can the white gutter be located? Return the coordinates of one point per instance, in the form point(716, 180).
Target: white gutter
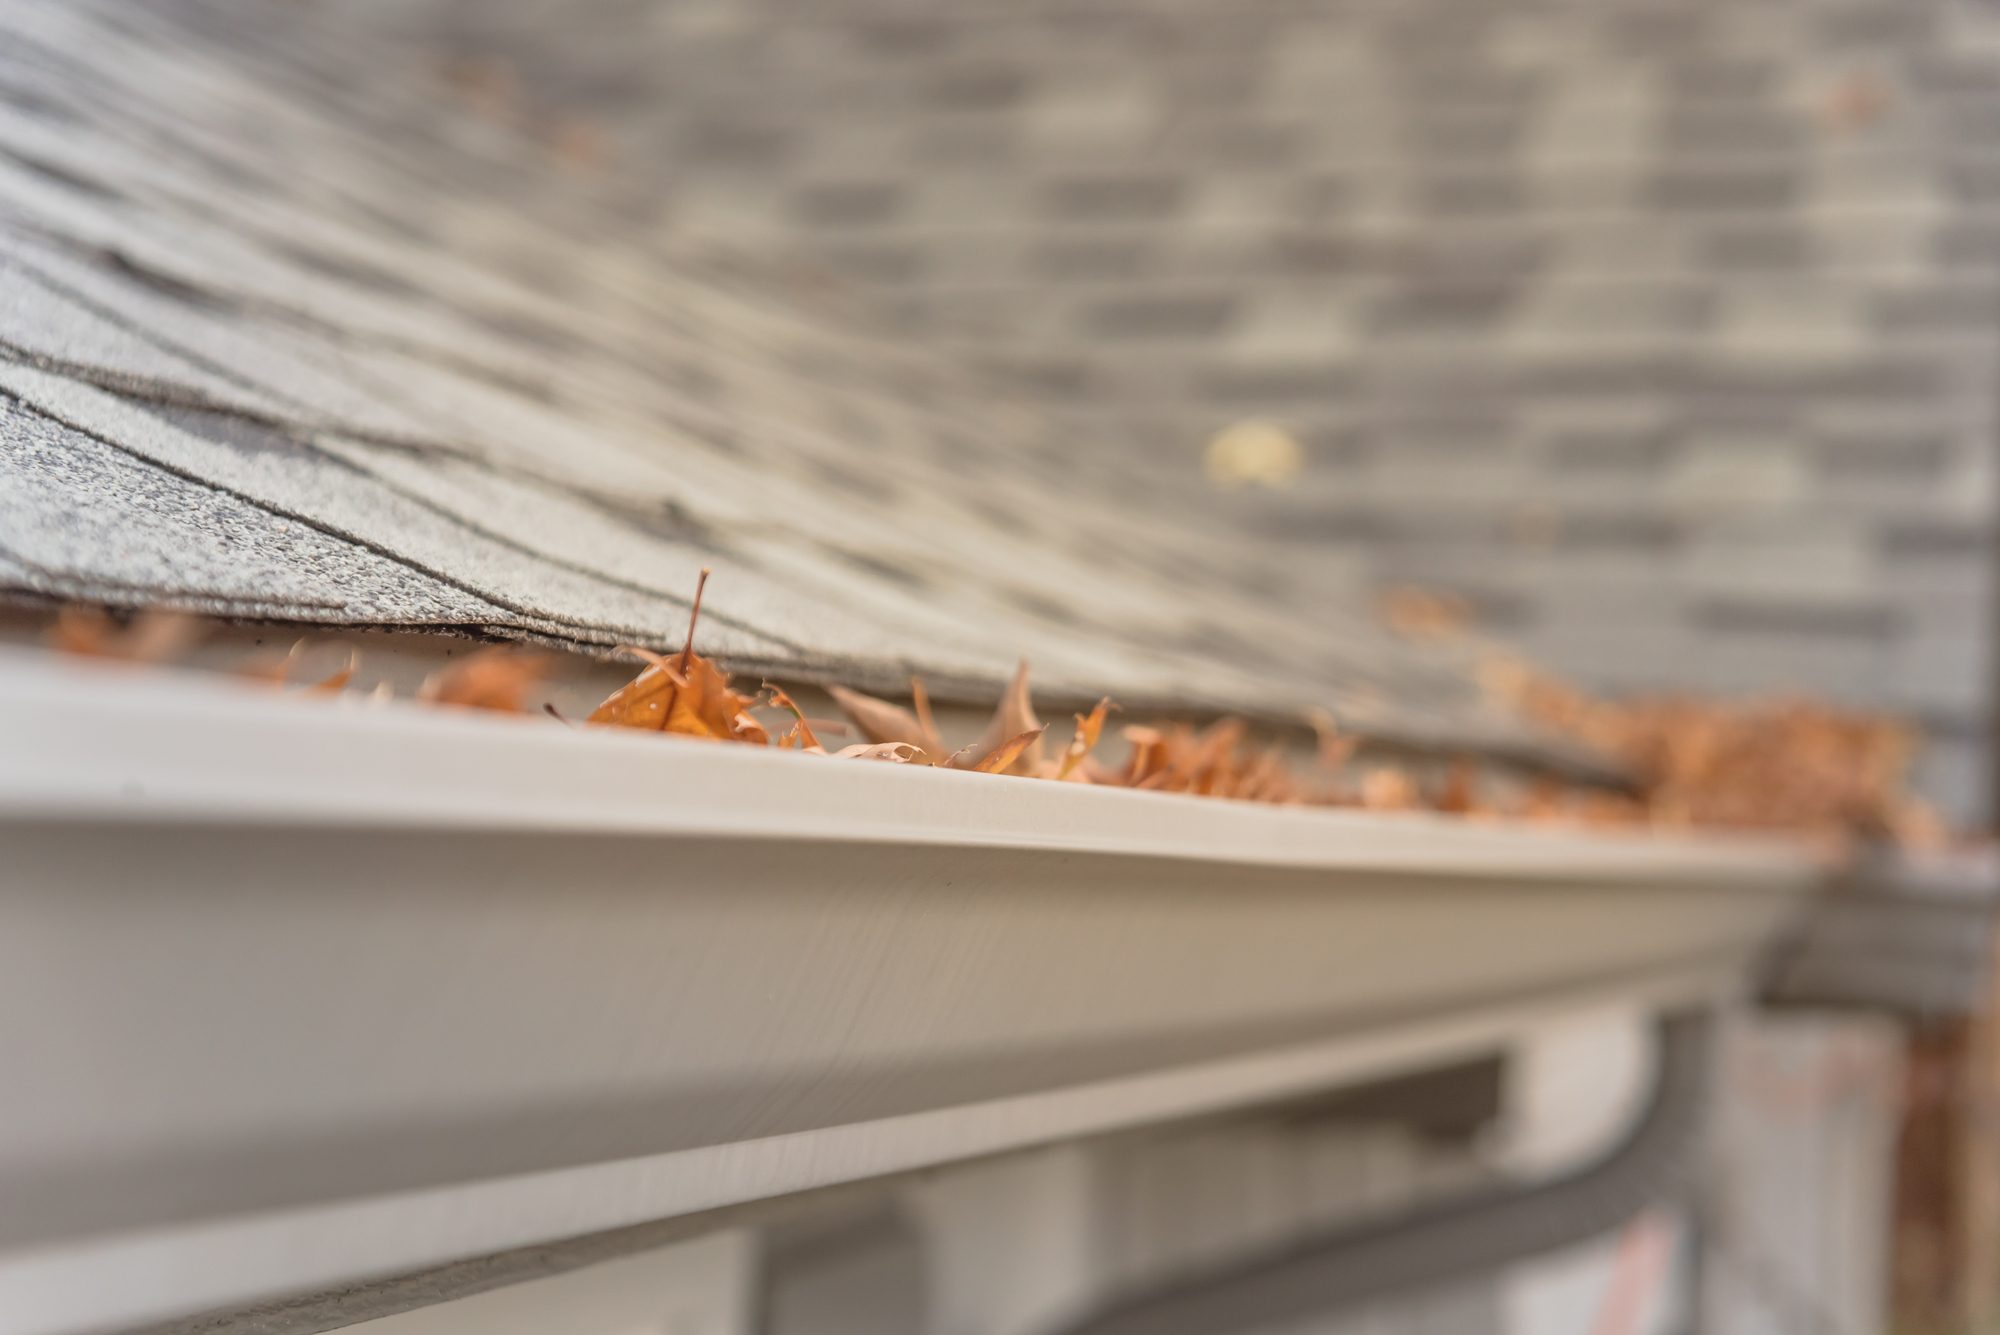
point(297, 992)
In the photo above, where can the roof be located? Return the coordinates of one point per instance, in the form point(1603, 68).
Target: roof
point(287, 338)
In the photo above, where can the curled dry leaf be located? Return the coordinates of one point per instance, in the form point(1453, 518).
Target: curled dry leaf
point(801, 733)
point(1458, 794)
point(151, 636)
point(879, 721)
point(1268, 778)
point(1014, 718)
point(1753, 764)
point(689, 696)
point(901, 753)
point(1336, 748)
point(642, 702)
point(1089, 727)
point(337, 679)
point(277, 669)
point(882, 722)
point(1388, 790)
point(1008, 752)
point(1146, 760)
point(272, 667)
point(707, 707)
point(496, 679)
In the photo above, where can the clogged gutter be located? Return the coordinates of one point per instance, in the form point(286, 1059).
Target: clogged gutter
point(1791, 766)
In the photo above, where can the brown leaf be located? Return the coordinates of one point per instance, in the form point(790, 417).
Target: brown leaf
point(706, 707)
point(1336, 748)
point(1089, 727)
point(151, 636)
point(1210, 765)
point(690, 696)
point(497, 679)
point(1388, 790)
point(901, 753)
point(1458, 793)
point(277, 669)
point(801, 732)
point(642, 702)
point(1014, 717)
point(1009, 751)
point(880, 721)
point(337, 680)
point(272, 667)
point(1147, 756)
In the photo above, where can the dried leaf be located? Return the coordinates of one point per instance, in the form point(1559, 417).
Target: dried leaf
point(277, 669)
point(1014, 716)
point(1458, 793)
point(1089, 727)
point(1336, 748)
point(1388, 790)
point(151, 636)
point(801, 732)
point(338, 679)
point(880, 721)
point(1210, 764)
point(1146, 758)
point(690, 696)
point(1754, 764)
point(274, 668)
point(497, 679)
point(901, 753)
point(642, 702)
point(706, 707)
point(1009, 751)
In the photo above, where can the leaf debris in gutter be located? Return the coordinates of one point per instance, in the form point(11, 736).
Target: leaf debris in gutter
point(1778, 765)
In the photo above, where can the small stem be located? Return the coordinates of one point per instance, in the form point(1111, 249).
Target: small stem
point(694, 614)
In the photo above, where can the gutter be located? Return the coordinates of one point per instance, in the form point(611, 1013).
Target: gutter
point(297, 993)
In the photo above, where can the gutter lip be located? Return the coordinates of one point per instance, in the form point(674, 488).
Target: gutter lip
point(107, 743)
